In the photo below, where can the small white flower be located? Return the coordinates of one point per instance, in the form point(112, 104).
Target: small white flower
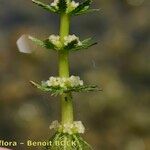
point(71, 6)
point(75, 81)
point(79, 127)
point(67, 128)
point(79, 43)
point(81, 83)
point(55, 4)
point(72, 81)
point(68, 39)
point(65, 82)
point(54, 125)
point(52, 81)
point(55, 39)
point(70, 128)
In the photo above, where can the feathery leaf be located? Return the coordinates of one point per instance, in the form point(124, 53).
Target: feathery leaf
point(46, 43)
point(60, 90)
point(85, 44)
point(82, 7)
point(45, 6)
point(86, 11)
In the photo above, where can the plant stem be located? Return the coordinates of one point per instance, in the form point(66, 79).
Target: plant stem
point(66, 99)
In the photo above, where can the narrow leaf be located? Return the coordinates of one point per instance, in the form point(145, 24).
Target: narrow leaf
point(44, 6)
point(48, 44)
point(85, 44)
point(36, 41)
point(86, 11)
point(60, 90)
point(42, 88)
point(82, 7)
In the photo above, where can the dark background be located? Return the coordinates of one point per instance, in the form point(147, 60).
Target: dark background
point(117, 118)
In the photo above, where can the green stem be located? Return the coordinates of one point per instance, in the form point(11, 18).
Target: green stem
point(66, 99)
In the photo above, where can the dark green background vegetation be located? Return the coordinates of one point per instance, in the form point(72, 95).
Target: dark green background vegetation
point(117, 118)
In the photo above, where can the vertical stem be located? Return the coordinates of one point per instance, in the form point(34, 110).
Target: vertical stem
point(64, 25)
point(66, 99)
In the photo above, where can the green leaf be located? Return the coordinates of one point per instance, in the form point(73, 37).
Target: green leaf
point(45, 6)
point(88, 43)
point(85, 44)
point(40, 87)
point(71, 45)
point(43, 87)
point(87, 11)
point(60, 137)
point(60, 90)
point(37, 41)
point(62, 5)
point(82, 7)
point(46, 43)
point(84, 88)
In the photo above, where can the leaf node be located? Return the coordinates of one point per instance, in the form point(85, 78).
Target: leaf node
point(57, 90)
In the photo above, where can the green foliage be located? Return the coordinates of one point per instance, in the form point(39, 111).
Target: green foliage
point(45, 6)
point(85, 45)
point(49, 45)
point(60, 90)
point(71, 47)
point(46, 43)
point(37, 41)
point(126, 84)
point(83, 8)
point(75, 142)
point(85, 11)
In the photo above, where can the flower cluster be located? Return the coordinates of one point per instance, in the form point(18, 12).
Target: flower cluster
point(70, 128)
point(68, 39)
point(67, 6)
point(70, 5)
point(72, 81)
point(55, 4)
point(55, 40)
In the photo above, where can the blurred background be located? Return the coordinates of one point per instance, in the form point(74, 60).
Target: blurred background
point(117, 118)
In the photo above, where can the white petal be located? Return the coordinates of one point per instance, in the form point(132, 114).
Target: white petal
point(24, 44)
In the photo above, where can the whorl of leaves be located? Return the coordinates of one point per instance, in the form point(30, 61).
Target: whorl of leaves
point(55, 91)
point(71, 47)
point(83, 8)
point(80, 143)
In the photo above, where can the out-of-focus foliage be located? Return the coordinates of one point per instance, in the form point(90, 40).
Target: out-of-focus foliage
point(117, 118)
